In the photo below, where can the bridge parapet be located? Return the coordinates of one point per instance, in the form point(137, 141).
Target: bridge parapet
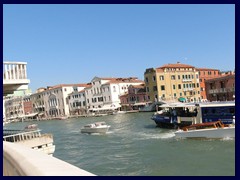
point(19, 160)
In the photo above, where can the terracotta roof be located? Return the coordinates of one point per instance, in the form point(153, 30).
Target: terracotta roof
point(177, 65)
point(139, 86)
point(206, 69)
point(227, 76)
point(124, 80)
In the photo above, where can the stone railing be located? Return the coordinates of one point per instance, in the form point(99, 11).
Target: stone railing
point(19, 160)
point(14, 70)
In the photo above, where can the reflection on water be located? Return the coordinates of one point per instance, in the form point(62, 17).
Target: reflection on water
point(135, 146)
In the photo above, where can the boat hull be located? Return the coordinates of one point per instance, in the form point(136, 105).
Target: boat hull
point(227, 132)
point(168, 125)
point(95, 130)
point(166, 122)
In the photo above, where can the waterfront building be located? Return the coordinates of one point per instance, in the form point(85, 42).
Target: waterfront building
point(221, 88)
point(55, 99)
point(77, 102)
point(104, 93)
point(135, 98)
point(205, 74)
point(14, 105)
point(13, 108)
point(172, 82)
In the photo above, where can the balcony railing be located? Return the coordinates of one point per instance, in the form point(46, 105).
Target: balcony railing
point(14, 77)
point(14, 70)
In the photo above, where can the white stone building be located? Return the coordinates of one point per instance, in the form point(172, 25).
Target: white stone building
point(105, 92)
point(77, 102)
point(55, 99)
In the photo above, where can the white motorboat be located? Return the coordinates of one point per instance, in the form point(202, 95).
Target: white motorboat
point(31, 127)
point(207, 130)
point(98, 127)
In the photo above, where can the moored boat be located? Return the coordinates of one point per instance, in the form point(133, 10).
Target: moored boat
point(33, 139)
point(207, 130)
point(98, 127)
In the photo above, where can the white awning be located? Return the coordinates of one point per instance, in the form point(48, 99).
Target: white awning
point(31, 115)
point(107, 107)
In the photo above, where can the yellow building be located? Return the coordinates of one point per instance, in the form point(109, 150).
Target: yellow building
point(172, 82)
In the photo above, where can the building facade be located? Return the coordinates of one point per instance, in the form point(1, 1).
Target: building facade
point(221, 88)
point(205, 74)
point(172, 82)
point(135, 98)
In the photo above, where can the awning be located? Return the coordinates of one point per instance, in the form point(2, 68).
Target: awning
point(182, 99)
point(107, 107)
point(139, 104)
point(31, 115)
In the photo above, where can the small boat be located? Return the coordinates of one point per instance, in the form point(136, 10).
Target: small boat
point(207, 130)
point(31, 127)
point(98, 127)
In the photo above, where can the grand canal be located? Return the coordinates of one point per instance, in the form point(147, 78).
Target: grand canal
point(134, 146)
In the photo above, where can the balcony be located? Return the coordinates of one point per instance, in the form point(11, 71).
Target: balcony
point(188, 89)
point(219, 90)
point(186, 80)
point(14, 77)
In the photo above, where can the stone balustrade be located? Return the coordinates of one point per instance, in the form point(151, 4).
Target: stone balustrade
point(19, 160)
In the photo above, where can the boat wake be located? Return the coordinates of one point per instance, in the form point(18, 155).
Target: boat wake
point(166, 135)
point(228, 139)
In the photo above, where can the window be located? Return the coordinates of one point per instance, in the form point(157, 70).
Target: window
point(147, 89)
point(154, 78)
point(114, 88)
point(154, 88)
point(174, 87)
point(146, 79)
point(173, 77)
point(179, 77)
point(162, 87)
point(161, 77)
point(179, 86)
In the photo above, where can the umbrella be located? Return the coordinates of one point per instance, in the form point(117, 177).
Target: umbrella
point(182, 99)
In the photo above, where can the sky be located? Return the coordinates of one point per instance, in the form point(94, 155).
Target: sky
point(68, 44)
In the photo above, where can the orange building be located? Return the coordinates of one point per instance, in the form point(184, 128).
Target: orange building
point(27, 105)
point(221, 88)
point(205, 74)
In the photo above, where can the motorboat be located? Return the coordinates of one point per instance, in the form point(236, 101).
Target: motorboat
point(97, 127)
point(31, 127)
point(207, 130)
point(193, 113)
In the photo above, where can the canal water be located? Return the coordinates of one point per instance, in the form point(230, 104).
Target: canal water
point(134, 146)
